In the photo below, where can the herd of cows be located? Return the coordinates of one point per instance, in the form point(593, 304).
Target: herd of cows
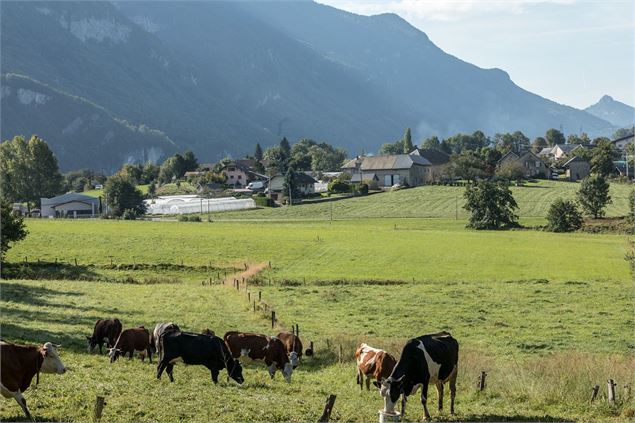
point(429, 359)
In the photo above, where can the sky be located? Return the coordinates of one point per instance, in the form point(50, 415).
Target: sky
point(570, 51)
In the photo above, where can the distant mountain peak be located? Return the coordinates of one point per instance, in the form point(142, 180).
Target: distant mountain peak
point(616, 112)
point(606, 98)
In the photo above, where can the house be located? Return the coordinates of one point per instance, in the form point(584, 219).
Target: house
point(438, 163)
point(399, 169)
point(71, 204)
point(577, 168)
point(305, 185)
point(240, 172)
point(621, 143)
point(532, 165)
point(563, 151)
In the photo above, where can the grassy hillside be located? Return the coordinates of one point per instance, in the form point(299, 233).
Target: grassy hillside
point(533, 200)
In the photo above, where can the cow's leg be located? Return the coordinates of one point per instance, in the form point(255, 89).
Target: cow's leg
point(440, 394)
point(100, 350)
point(215, 374)
point(360, 379)
point(452, 390)
point(131, 353)
point(161, 367)
point(169, 369)
point(424, 400)
point(149, 353)
point(367, 383)
point(20, 400)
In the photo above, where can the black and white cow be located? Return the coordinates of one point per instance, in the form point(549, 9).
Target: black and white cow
point(192, 348)
point(160, 329)
point(428, 359)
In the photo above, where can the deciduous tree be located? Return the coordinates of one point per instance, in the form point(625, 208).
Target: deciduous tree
point(593, 195)
point(12, 228)
point(491, 206)
point(564, 216)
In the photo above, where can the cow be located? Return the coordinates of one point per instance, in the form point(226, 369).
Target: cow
point(129, 341)
point(293, 344)
point(261, 347)
point(373, 363)
point(18, 365)
point(106, 331)
point(427, 359)
point(191, 348)
point(159, 330)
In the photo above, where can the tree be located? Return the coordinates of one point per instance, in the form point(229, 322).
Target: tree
point(173, 167)
point(602, 158)
point(563, 216)
point(593, 195)
point(285, 147)
point(300, 154)
point(553, 137)
point(190, 163)
point(12, 228)
point(468, 165)
point(258, 153)
point(28, 170)
point(123, 197)
point(624, 132)
point(431, 143)
point(290, 186)
point(133, 172)
point(491, 206)
point(324, 157)
point(538, 144)
point(389, 149)
point(152, 189)
point(407, 142)
point(512, 171)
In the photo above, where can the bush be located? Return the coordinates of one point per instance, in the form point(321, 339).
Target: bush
point(129, 214)
point(563, 216)
point(631, 210)
point(263, 201)
point(338, 186)
point(12, 228)
point(363, 189)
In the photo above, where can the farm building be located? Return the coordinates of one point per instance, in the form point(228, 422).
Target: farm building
point(306, 185)
point(438, 163)
point(70, 205)
point(240, 172)
point(577, 168)
point(531, 164)
point(399, 169)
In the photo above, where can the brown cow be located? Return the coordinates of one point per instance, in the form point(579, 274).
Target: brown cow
point(18, 365)
point(373, 363)
point(261, 347)
point(131, 340)
point(106, 331)
point(293, 344)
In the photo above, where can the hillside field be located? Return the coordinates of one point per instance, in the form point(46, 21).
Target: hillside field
point(546, 315)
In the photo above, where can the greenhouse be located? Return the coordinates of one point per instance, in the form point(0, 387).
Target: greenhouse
point(184, 204)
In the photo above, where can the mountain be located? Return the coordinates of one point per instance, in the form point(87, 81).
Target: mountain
point(615, 112)
point(217, 77)
point(80, 133)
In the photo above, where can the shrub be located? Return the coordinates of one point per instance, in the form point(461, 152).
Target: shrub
point(563, 216)
point(184, 218)
point(12, 228)
point(263, 201)
point(129, 214)
point(338, 186)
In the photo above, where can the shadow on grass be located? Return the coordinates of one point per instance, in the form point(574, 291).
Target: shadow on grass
point(510, 418)
point(21, 418)
point(48, 270)
point(22, 335)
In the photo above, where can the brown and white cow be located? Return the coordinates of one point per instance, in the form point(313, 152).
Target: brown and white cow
point(261, 347)
point(18, 365)
point(106, 331)
point(131, 341)
point(293, 344)
point(373, 363)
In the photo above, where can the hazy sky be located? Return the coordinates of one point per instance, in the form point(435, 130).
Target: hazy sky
point(570, 51)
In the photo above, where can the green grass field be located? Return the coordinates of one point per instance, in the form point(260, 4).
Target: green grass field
point(546, 315)
point(533, 200)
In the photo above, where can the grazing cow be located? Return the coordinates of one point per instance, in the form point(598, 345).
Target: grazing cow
point(159, 330)
point(18, 365)
point(373, 363)
point(424, 360)
point(192, 348)
point(293, 344)
point(106, 331)
point(130, 341)
point(261, 347)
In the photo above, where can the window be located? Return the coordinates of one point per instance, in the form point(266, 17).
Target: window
point(395, 180)
point(537, 164)
point(387, 180)
point(231, 176)
point(240, 176)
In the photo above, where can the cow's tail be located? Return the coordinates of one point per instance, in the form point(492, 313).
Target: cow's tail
point(160, 348)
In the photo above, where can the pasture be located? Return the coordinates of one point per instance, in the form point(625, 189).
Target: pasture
point(546, 315)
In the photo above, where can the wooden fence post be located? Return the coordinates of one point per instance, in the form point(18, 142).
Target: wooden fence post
point(259, 295)
point(273, 319)
point(75, 261)
point(254, 306)
point(100, 402)
point(481, 381)
point(340, 355)
point(328, 408)
point(611, 390)
point(249, 297)
point(594, 392)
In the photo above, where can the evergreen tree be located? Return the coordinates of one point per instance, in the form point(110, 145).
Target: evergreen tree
point(190, 163)
point(258, 153)
point(407, 142)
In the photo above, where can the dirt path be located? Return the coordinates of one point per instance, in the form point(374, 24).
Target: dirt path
point(252, 269)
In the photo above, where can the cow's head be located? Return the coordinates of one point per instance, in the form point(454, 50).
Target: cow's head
point(114, 354)
point(92, 343)
point(293, 359)
point(235, 370)
point(390, 389)
point(52, 362)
